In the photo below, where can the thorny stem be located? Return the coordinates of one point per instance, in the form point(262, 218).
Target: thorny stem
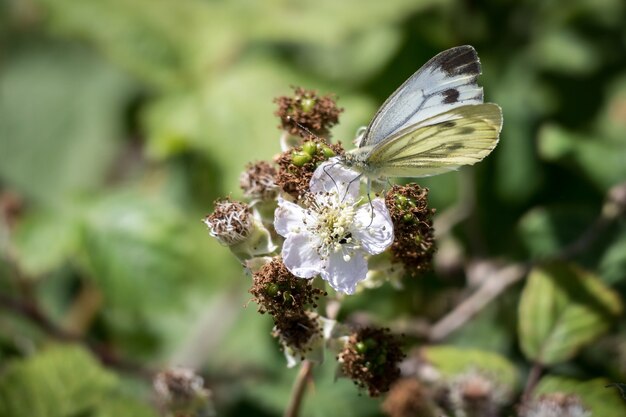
point(498, 282)
point(299, 386)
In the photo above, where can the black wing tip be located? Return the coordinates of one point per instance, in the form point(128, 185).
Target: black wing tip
point(460, 60)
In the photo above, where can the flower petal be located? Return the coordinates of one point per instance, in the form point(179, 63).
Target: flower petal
point(288, 217)
point(375, 234)
point(300, 255)
point(332, 177)
point(344, 276)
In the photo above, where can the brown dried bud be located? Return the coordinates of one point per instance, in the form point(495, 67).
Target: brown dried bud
point(309, 111)
point(182, 392)
point(258, 181)
point(280, 293)
point(414, 243)
point(409, 398)
point(298, 331)
point(370, 358)
point(555, 404)
point(477, 394)
point(296, 166)
point(231, 222)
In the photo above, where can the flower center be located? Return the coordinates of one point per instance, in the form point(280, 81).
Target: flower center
point(334, 222)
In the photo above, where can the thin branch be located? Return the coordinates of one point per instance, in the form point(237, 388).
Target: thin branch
point(496, 283)
point(31, 311)
point(531, 382)
point(299, 386)
point(493, 286)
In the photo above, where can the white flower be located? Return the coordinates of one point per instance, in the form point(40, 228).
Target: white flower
point(334, 233)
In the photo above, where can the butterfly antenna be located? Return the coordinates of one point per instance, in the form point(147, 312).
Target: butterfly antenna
point(358, 177)
point(330, 176)
point(304, 128)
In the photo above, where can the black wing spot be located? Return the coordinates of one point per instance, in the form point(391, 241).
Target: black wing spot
point(451, 95)
point(466, 130)
point(454, 146)
point(460, 60)
point(448, 124)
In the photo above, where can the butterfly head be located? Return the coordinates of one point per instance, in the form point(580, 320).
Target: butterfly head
point(357, 160)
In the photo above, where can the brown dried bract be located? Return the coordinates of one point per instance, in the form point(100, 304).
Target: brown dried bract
point(414, 243)
point(297, 331)
point(180, 390)
point(294, 178)
point(230, 222)
point(311, 111)
point(370, 358)
point(554, 404)
point(280, 293)
point(409, 398)
point(258, 181)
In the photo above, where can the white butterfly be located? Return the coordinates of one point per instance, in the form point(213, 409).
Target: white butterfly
point(435, 122)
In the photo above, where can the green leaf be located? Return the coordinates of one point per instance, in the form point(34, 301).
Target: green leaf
point(43, 241)
point(354, 59)
point(523, 100)
point(124, 406)
point(611, 122)
point(142, 251)
point(236, 108)
point(600, 400)
point(612, 266)
point(60, 108)
point(452, 361)
point(601, 160)
point(61, 381)
point(562, 309)
point(546, 230)
point(565, 51)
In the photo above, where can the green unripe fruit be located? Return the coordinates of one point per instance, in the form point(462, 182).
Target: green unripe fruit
point(307, 104)
point(310, 148)
point(401, 200)
point(300, 158)
point(327, 151)
point(370, 343)
point(272, 290)
point(407, 218)
point(360, 347)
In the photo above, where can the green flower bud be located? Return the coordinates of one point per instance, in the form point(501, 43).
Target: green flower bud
point(300, 158)
point(327, 151)
point(307, 104)
point(402, 200)
point(309, 148)
point(370, 343)
point(272, 289)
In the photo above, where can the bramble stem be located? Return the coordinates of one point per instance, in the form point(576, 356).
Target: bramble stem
point(531, 382)
point(299, 386)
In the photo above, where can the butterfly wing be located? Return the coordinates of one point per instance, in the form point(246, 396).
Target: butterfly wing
point(461, 136)
point(447, 81)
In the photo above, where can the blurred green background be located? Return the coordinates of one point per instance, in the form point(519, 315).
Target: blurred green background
point(121, 121)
